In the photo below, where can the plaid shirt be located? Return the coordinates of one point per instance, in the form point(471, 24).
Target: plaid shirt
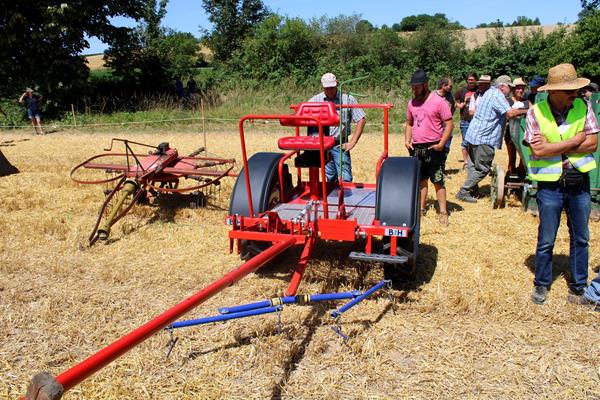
point(489, 120)
point(348, 114)
point(532, 126)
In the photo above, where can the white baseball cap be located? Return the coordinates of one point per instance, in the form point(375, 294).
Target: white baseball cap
point(328, 80)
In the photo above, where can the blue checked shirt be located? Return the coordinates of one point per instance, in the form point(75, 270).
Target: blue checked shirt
point(487, 124)
point(348, 115)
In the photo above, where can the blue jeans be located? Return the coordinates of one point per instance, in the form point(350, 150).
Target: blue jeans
point(552, 199)
point(332, 168)
point(464, 125)
point(593, 291)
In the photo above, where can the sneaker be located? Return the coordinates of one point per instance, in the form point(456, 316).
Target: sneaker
point(576, 292)
point(465, 196)
point(583, 301)
point(539, 294)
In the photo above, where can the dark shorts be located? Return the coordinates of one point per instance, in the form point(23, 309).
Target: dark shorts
point(33, 113)
point(432, 162)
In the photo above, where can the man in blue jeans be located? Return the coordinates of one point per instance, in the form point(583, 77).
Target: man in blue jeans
point(591, 295)
point(347, 115)
point(562, 134)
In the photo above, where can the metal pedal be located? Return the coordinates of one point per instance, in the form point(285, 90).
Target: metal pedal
point(382, 258)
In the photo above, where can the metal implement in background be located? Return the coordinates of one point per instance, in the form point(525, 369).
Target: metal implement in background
point(136, 177)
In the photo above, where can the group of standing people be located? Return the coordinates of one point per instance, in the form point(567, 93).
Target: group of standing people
point(561, 135)
point(560, 138)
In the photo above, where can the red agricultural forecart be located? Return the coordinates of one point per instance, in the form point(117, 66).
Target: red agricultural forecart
point(269, 214)
point(136, 177)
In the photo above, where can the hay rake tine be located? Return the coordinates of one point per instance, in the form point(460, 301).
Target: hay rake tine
point(93, 237)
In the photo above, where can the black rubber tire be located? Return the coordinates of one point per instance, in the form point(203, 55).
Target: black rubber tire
point(263, 171)
point(397, 196)
point(397, 203)
point(264, 182)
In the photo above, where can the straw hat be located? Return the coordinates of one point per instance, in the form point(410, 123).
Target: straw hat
point(564, 77)
point(485, 79)
point(518, 82)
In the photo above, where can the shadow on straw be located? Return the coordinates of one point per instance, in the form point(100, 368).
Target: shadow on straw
point(560, 266)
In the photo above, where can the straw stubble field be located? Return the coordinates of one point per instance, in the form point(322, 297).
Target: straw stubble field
point(464, 329)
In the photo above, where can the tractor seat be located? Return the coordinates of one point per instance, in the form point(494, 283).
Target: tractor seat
point(305, 143)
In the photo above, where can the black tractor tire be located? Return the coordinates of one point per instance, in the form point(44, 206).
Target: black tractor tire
point(264, 183)
point(397, 203)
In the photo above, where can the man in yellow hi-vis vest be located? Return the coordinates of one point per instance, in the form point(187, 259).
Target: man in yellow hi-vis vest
point(562, 134)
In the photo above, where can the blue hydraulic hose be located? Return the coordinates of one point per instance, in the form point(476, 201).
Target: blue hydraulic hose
point(225, 317)
point(300, 299)
point(337, 313)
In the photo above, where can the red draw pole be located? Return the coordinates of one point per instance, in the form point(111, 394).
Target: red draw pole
point(89, 366)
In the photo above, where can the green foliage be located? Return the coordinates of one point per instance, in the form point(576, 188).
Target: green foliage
point(437, 51)
point(413, 23)
point(150, 55)
point(584, 45)
point(12, 114)
point(40, 41)
point(525, 21)
point(232, 21)
point(495, 24)
point(520, 21)
point(589, 7)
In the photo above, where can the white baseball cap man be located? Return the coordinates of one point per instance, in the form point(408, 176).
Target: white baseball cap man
point(328, 80)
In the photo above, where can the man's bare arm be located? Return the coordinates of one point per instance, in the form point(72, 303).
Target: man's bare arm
point(408, 135)
point(589, 145)
point(360, 126)
point(541, 148)
point(516, 112)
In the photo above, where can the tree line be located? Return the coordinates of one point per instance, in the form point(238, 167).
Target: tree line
point(40, 43)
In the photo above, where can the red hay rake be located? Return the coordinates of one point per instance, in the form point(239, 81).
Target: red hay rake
point(136, 177)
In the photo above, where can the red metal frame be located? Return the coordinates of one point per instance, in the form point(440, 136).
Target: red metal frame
point(322, 225)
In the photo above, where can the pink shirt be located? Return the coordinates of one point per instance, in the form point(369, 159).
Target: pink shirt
point(427, 119)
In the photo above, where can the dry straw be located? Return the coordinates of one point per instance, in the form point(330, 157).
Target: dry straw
point(466, 329)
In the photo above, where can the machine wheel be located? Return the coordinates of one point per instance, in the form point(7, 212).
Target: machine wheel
point(397, 204)
point(527, 199)
point(264, 183)
point(497, 187)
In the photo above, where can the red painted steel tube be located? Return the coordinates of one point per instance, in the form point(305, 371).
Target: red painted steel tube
point(282, 193)
point(243, 143)
point(323, 176)
point(99, 360)
point(299, 271)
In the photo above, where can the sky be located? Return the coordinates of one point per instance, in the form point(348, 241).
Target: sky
point(189, 16)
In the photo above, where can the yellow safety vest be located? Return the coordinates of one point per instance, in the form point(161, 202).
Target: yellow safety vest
point(550, 169)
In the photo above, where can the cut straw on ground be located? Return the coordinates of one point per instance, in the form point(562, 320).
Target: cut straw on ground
point(465, 329)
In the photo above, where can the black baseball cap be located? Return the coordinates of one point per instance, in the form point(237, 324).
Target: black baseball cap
point(419, 77)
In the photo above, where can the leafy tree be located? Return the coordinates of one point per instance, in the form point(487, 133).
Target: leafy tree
point(437, 51)
point(363, 26)
point(40, 42)
point(525, 21)
point(582, 46)
point(414, 22)
point(496, 24)
point(589, 7)
point(277, 49)
point(150, 55)
point(232, 21)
